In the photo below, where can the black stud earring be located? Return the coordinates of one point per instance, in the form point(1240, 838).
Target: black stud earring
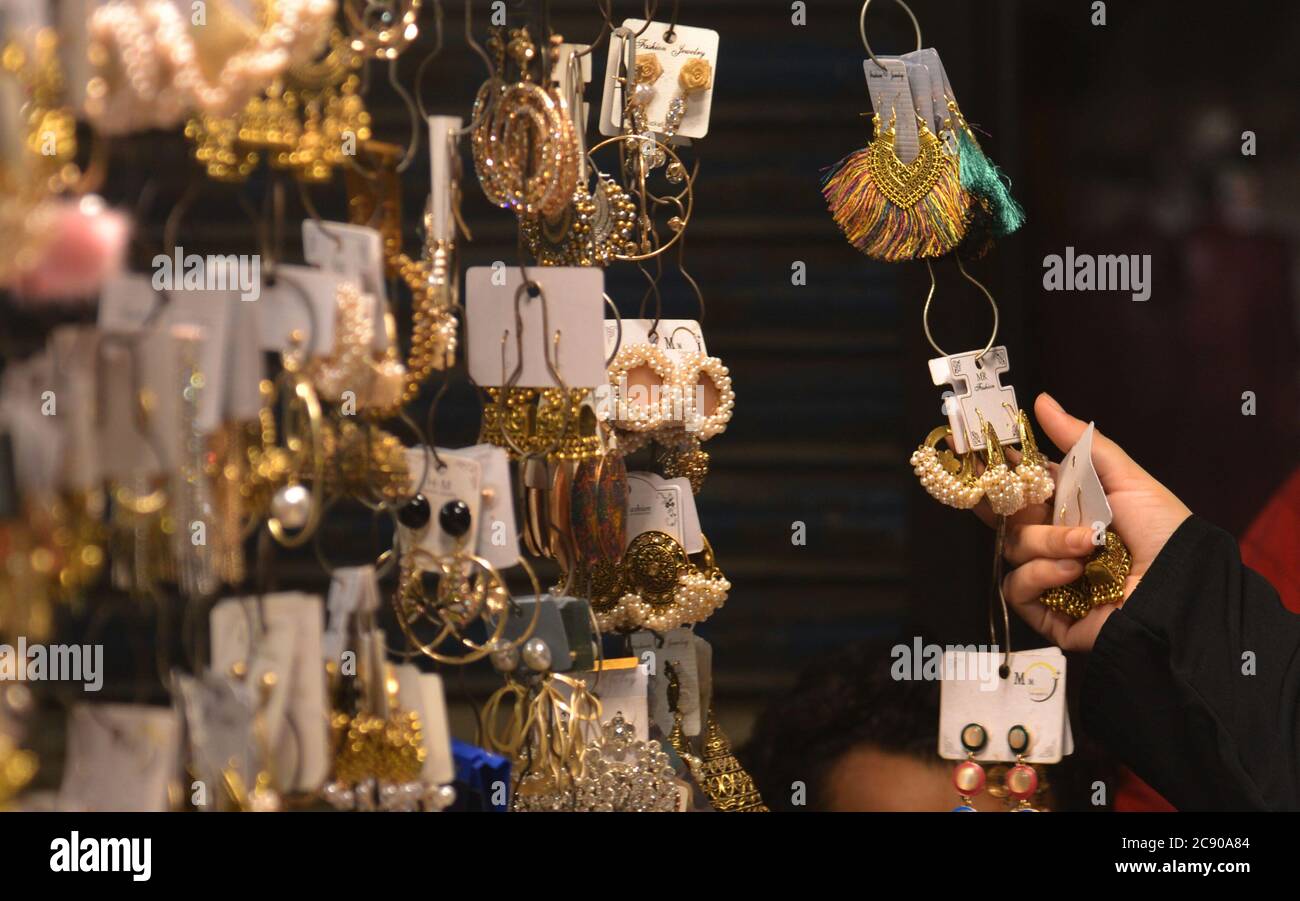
point(415, 514)
point(454, 518)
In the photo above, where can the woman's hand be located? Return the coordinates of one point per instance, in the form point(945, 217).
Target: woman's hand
point(1046, 556)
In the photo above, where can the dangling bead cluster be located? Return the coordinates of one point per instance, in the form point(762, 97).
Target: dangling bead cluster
point(1004, 490)
point(968, 777)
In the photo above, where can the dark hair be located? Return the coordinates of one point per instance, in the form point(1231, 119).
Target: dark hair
point(849, 699)
point(842, 701)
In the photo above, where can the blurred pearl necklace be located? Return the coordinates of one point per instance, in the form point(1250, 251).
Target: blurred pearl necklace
point(159, 59)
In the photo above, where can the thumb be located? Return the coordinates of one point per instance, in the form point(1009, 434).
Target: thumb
point(1109, 459)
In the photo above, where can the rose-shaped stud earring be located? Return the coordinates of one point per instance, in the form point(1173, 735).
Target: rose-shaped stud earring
point(695, 76)
point(648, 71)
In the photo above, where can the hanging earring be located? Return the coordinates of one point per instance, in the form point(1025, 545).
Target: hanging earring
point(648, 71)
point(1032, 468)
point(1021, 779)
point(947, 480)
point(968, 776)
point(704, 395)
point(1002, 487)
point(891, 210)
point(650, 372)
point(695, 76)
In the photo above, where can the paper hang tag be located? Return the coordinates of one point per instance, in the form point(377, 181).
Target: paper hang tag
point(549, 627)
point(891, 98)
point(977, 391)
point(673, 51)
point(280, 634)
point(919, 83)
point(940, 89)
point(132, 447)
point(126, 302)
point(304, 301)
point(442, 154)
point(459, 478)
point(1080, 498)
point(621, 684)
point(423, 694)
point(73, 350)
point(678, 650)
point(704, 666)
point(353, 252)
point(572, 82)
point(1033, 696)
point(498, 536)
point(574, 313)
point(245, 364)
point(218, 712)
point(653, 506)
point(675, 337)
point(354, 591)
point(120, 757)
point(656, 504)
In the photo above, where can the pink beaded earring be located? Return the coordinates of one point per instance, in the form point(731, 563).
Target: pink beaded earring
point(968, 776)
point(1021, 779)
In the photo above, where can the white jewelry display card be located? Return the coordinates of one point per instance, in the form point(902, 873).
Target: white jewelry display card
point(458, 478)
point(977, 395)
point(684, 45)
point(1032, 696)
point(675, 337)
point(120, 757)
point(1080, 499)
point(354, 252)
point(564, 325)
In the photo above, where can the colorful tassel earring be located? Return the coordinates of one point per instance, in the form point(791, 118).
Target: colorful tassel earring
point(891, 210)
point(994, 213)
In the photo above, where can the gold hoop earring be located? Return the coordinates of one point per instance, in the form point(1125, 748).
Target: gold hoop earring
point(946, 479)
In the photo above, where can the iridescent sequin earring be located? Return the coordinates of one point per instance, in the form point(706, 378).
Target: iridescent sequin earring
point(968, 776)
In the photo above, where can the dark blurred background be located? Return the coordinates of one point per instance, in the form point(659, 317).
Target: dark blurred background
point(1123, 138)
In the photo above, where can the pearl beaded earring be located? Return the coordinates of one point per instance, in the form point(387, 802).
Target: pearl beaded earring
point(1002, 487)
point(947, 480)
point(1032, 468)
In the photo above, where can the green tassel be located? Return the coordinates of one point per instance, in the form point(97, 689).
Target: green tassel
point(979, 176)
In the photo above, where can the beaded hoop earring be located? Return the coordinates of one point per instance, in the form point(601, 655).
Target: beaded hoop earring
point(698, 417)
point(1032, 468)
point(629, 412)
point(945, 478)
point(1002, 487)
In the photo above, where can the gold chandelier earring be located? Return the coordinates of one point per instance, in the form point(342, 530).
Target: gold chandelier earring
point(1032, 469)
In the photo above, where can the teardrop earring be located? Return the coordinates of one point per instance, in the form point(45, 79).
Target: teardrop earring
point(968, 776)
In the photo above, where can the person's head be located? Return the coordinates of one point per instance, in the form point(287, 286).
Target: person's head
point(856, 739)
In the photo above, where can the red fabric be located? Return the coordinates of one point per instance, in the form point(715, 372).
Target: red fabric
point(1271, 546)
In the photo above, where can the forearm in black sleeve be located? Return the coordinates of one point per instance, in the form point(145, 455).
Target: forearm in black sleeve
point(1194, 682)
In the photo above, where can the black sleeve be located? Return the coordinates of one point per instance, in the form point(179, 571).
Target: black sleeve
point(1171, 689)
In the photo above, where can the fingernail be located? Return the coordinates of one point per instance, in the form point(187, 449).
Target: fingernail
point(1080, 539)
point(1051, 401)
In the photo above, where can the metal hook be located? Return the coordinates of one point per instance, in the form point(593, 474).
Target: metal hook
point(424, 63)
point(312, 213)
point(925, 311)
point(862, 28)
point(413, 145)
point(618, 341)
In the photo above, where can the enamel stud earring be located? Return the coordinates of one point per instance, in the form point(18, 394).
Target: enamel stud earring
point(968, 776)
point(1021, 779)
